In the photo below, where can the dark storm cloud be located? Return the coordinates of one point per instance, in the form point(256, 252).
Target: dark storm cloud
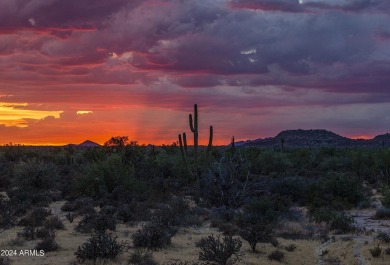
point(202, 43)
point(281, 63)
point(313, 6)
point(59, 13)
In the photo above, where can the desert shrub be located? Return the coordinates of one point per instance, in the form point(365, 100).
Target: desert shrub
point(97, 222)
point(384, 237)
point(70, 217)
point(272, 163)
point(274, 242)
point(47, 244)
point(387, 251)
point(153, 236)
point(28, 233)
point(100, 246)
point(44, 232)
point(142, 257)
point(17, 242)
point(226, 183)
point(103, 177)
point(172, 214)
point(125, 213)
point(217, 251)
point(41, 199)
point(259, 217)
point(295, 188)
point(83, 205)
point(335, 191)
point(342, 223)
point(276, 255)
point(339, 222)
point(7, 214)
point(386, 196)
point(322, 214)
point(36, 217)
point(382, 213)
point(290, 248)
point(375, 251)
point(35, 174)
point(54, 222)
point(5, 261)
point(257, 233)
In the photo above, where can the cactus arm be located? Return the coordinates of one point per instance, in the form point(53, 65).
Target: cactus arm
point(210, 140)
point(185, 144)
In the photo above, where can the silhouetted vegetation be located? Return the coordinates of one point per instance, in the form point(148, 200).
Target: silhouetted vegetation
point(245, 192)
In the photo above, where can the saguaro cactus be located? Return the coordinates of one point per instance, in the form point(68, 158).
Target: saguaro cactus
point(193, 120)
point(210, 140)
point(194, 130)
point(183, 151)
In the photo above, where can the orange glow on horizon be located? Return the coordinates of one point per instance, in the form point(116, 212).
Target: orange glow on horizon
point(101, 141)
point(364, 137)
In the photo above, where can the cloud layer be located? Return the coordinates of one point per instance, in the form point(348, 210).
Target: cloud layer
point(259, 64)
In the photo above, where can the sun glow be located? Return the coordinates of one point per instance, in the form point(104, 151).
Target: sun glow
point(82, 112)
point(18, 114)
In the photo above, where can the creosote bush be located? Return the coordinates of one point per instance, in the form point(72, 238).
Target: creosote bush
point(276, 255)
point(259, 217)
point(382, 213)
point(215, 250)
point(54, 222)
point(376, 251)
point(100, 246)
point(384, 237)
point(5, 261)
point(7, 214)
point(290, 248)
point(36, 217)
point(154, 235)
point(142, 257)
point(96, 222)
point(47, 244)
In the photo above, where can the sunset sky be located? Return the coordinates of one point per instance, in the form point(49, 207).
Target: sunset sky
point(72, 70)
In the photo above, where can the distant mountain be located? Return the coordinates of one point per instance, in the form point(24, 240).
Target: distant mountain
point(88, 143)
point(316, 138)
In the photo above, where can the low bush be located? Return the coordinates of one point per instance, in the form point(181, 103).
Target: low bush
point(28, 233)
point(342, 223)
point(125, 213)
point(96, 222)
point(70, 217)
point(7, 214)
point(276, 255)
point(217, 251)
point(83, 205)
point(376, 251)
point(384, 237)
point(387, 251)
point(48, 244)
point(386, 196)
point(43, 232)
point(153, 236)
point(142, 257)
point(5, 261)
point(290, 248)
point(100, 246)
point(35, 218)
point(382, 213)
point(54, 222)
point(257, 233)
